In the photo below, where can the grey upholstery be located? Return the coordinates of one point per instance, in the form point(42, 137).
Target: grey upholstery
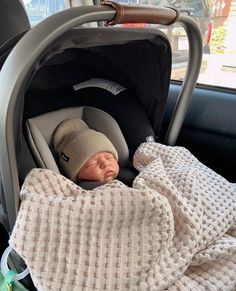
point(13, 20)
point(40, 129)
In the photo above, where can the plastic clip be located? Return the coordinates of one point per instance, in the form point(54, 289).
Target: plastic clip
point(9, 275)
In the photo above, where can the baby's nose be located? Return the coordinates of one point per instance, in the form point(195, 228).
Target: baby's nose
point(104, 162)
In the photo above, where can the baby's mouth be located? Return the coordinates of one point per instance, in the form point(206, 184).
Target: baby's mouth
point(109, 174)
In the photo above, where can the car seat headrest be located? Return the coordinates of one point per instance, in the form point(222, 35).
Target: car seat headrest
point(40, 130)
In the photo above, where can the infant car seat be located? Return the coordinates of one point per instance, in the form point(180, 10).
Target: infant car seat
point(139, 59)
point(40, 129)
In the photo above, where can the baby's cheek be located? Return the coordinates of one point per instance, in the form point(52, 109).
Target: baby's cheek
point(116, 171)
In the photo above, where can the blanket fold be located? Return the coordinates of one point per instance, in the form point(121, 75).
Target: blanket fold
point(175, 228)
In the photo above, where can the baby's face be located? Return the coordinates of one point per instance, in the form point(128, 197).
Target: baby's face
point(101, 167)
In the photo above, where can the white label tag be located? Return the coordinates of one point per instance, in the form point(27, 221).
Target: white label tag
point(150, 138)
point(110, 86)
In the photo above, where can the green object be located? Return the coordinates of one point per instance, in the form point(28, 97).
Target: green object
point(7, 283)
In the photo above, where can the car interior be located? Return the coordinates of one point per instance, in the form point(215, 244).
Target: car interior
point(207, 128)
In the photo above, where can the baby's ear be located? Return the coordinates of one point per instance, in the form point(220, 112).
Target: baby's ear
point(78, 176)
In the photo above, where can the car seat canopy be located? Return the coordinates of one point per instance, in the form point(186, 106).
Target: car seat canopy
point(139, 60)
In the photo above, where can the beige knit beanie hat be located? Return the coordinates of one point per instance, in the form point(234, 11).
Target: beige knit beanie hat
point(75, 143)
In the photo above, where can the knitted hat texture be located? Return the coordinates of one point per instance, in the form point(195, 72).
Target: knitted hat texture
point(75, 143)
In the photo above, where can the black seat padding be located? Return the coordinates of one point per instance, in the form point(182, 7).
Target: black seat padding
point(127, 175)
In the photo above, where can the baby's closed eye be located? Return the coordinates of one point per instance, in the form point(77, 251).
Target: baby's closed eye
point(91, 164)
point(110, 157)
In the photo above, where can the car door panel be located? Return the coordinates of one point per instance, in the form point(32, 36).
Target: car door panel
point(209, 128)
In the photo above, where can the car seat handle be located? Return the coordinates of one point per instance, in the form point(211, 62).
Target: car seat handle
point(139, 14)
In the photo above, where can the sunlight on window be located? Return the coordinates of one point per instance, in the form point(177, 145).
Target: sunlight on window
point(219, 63)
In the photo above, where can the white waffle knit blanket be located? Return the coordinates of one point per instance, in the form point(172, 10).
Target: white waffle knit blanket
point(174, 229)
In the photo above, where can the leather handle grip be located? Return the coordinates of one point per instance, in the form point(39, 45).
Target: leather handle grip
point(140, 14)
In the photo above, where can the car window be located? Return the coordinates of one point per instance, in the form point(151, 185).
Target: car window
point(216, 20)
point(38, 10)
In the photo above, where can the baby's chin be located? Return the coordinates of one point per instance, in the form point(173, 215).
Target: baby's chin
point(108, 179)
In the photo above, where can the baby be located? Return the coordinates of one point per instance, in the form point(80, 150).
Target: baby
point(84, 153)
